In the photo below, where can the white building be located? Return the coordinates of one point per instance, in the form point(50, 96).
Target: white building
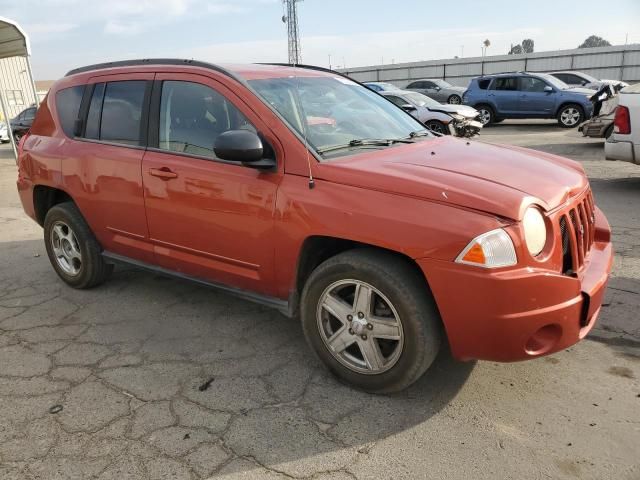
point(16, 85)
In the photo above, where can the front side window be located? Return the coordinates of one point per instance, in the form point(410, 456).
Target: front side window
point(331, 111)
point(68, 105)
point(193, 115)
point(115, 112)
point(397, 100)
point(530, 84)
point(506, 83)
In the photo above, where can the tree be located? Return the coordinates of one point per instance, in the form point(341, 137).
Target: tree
point(527, 45)
point(594, 41)
point(515, 49)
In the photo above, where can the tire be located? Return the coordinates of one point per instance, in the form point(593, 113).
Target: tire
point(437, 126)
point(72, 248)
point(398, 289)
point(454, 99)
point(487, 115)
point(570, 115)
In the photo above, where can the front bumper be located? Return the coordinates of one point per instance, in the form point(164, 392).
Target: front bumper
point(522, 313)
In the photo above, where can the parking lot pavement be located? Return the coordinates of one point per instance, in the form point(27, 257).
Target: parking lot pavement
point(129, 363)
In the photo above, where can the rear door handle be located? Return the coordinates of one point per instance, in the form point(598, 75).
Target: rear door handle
point(164, 173)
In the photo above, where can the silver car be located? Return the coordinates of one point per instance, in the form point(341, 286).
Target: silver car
point(581, 79)
point(439, 90)
point(458, 120)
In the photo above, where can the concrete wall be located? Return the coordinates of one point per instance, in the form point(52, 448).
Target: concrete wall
point(15, 76)
point(615, 63)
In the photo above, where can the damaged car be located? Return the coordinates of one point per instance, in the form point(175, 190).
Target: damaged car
point(457, 120)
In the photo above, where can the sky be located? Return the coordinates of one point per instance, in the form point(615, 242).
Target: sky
point(69, 33)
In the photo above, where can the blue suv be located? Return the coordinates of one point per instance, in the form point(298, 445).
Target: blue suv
point(528, 95)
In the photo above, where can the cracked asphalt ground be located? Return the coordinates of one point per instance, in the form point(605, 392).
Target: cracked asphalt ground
point(126, 362)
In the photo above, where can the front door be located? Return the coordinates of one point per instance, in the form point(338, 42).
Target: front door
point(208, 218)
point(536, 101)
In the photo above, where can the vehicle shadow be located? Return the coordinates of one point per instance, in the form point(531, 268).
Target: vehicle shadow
point(245, 365)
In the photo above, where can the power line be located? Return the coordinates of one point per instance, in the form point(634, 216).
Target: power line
point(291, 19)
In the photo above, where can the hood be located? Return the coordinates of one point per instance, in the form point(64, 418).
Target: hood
point(464, 110)
point(580, 90)
point(456, 89)
point(500, 180)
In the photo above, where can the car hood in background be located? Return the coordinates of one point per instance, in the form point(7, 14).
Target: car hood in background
point(581, 90)
point(501, 180)
point(464, 110)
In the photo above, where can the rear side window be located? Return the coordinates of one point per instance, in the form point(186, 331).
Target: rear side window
point(484, 83)
point(68, 105)
point(115, 112)
point(506, 83)
point(418, 84)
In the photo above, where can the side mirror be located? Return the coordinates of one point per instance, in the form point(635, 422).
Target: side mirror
point(242, 146)
point(583, 82)
point(548, 89)
point(436, 88)
point(408, 107)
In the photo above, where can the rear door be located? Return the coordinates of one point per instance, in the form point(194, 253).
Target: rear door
point(505, 96)
point(208, 218)
point(535, 101)
point(102, 168)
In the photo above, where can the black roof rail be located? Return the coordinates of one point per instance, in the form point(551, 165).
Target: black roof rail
point(313, 67)
point(150, 61)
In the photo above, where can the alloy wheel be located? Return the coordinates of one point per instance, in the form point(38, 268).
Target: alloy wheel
point(454, 100)
point(66, 248)
point(360, 326)
point(570, 116)
point(484, 115)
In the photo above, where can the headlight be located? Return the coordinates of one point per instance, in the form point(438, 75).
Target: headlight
point(535, 230)
point(490, 250)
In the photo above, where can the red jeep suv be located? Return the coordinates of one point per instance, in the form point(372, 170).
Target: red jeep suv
point(301, 189)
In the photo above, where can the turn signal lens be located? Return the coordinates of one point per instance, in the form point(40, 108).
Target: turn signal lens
point(490, 250)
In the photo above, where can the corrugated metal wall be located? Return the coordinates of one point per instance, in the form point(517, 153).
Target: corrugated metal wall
point(615, 63)
point(15, 76)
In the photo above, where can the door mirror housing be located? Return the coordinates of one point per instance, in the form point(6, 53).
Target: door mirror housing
point(242, 146)
point(407, 107)
point(548, 89)
point(437, 88)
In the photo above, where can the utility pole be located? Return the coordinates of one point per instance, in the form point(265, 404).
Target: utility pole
point(291, 19)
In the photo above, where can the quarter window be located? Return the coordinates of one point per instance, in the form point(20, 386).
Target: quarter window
point(115, 112)
point(68, 106)
point(193, 115)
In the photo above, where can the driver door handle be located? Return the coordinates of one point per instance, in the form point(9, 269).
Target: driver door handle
point(164, 173)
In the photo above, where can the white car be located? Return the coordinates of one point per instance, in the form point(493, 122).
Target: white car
point(581, 79)
point(4, 135)
point(624, 143)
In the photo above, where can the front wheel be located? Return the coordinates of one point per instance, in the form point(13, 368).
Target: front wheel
point(454, 100)
point(437, 126)
point(370, 318)
point(570, 116)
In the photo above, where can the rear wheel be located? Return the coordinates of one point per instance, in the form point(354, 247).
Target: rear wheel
point(485, 114)
point(570, 115)
point(72, 248)
point(437, 126)
point(454, 100)
point(370, 318)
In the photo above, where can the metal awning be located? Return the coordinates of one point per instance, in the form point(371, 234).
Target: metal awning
point(14, 42)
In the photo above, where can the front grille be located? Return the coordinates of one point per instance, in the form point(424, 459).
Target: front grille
point(577, 228)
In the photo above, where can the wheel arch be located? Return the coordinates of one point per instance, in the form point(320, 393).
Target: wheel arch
point(45, 197)
point(316, 249)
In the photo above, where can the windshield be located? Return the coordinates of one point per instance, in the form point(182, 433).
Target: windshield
point(335, 111)
point(421, 100)
point(556, 82)
point(442, 83)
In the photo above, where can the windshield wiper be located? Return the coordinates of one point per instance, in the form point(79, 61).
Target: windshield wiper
point(420, 133)
point(364, 142)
